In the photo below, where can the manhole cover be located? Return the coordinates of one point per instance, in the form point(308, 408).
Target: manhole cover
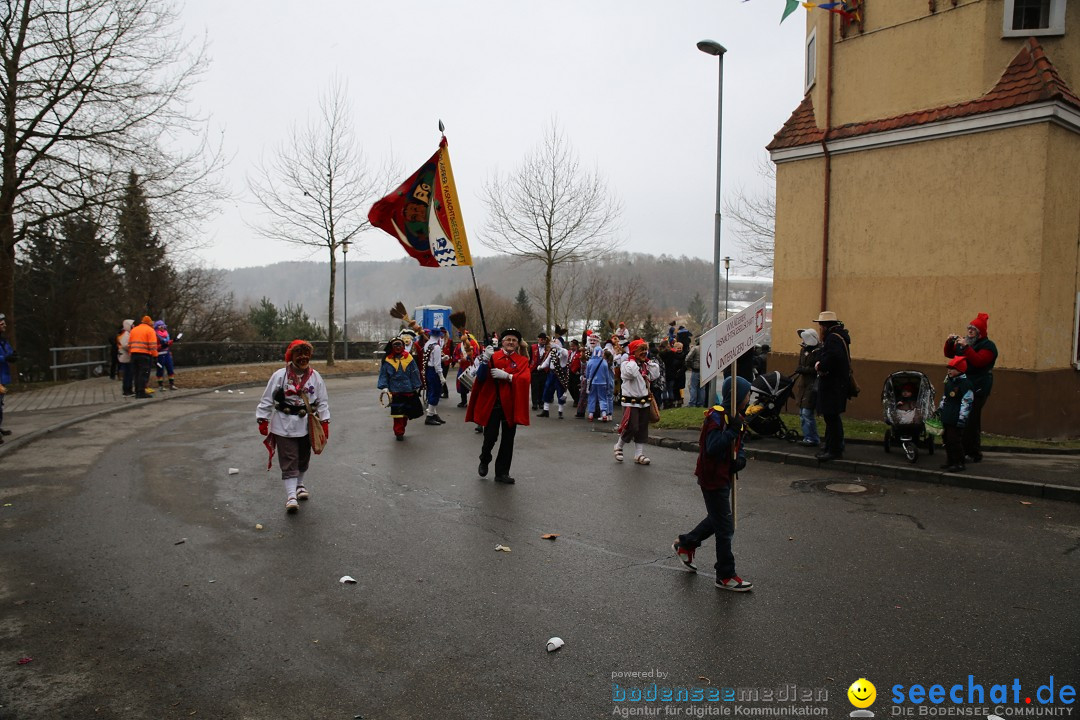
point(839, 486)
point(845, 488)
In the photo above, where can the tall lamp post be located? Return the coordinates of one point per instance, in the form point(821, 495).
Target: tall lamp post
point(345, 304)
point(711, 47)
point(727, 274)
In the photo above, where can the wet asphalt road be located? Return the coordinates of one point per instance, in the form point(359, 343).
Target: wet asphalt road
point(900, 584)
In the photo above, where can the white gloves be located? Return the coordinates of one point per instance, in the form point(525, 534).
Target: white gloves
point(488, 352)
point(498, 374)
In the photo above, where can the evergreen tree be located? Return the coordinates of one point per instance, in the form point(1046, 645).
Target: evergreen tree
point(295, 323)
point(265, 319)
point(73, 301)
point(649, 330)
point(699, 314)
point(148, 276)
point(524, 318)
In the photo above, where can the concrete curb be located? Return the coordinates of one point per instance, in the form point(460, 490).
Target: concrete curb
point(1046, 491)
point(10, 446)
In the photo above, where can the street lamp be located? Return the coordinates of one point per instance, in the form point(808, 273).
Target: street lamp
point(345, 305)
point(727, 270)
point(711, 47)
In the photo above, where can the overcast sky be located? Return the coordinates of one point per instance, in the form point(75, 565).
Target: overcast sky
point(623, 79)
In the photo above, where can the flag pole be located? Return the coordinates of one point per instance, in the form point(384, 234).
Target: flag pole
point(480, 305)
point(476, 288)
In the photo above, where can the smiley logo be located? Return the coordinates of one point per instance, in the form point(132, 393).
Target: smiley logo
point(862, 693)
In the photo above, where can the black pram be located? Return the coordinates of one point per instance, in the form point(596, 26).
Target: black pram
point(770, 392)
point(906, 417)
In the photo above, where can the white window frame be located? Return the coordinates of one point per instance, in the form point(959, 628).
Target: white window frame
point(1057, 21)
point(811, 60)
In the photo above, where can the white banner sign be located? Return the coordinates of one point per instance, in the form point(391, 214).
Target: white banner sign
point(722, 345)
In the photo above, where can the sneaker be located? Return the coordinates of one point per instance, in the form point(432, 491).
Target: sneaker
point(291, 505)
point(302, 493)
point(735, 584)
point(590, 417)
point(808, 442)
point(686, 555)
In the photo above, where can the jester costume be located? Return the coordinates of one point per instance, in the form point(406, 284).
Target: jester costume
point(399, 376)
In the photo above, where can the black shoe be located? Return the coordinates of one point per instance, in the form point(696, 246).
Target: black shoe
point(439, 419)
point(536, 407)
point(462, 404)
point(976, 457)
point(483, 469)
point(479, 429)
point(5, 433)
point(430, 420)
point(579, 416)
point(505, 479)
point(399, 438)
point(827, 456)
point(543, 413)
point(955, 468)
point(560, 415)
point(128, 394)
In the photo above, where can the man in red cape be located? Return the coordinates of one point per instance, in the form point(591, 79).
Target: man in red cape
point(500, 402)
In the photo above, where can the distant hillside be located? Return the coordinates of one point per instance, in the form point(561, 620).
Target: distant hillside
point(671, 282)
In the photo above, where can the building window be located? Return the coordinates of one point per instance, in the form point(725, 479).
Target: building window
point(1034, 17)
point(811, 59)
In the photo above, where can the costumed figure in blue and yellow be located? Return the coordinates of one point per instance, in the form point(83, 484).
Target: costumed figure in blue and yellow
point(399, 376)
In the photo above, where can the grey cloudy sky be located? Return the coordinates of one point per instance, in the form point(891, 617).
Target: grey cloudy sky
point(622, 78)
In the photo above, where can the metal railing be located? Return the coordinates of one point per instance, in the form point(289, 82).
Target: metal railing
point(103, 362)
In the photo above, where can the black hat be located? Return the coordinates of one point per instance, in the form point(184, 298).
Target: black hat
point(511, 331)
point(540, 335)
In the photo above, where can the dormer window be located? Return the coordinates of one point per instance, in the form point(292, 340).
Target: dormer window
point(1034, 17)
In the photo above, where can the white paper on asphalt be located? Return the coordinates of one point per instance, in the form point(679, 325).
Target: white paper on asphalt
point(723, 344)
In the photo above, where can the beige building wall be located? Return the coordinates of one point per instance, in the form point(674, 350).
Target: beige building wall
point(909, 59)
point(925, 235)
point(1060, 266)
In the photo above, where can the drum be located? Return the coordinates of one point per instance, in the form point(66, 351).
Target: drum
point(467, 378)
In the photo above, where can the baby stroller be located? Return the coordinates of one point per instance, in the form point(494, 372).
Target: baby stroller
point(906, 416)
point(769, 394)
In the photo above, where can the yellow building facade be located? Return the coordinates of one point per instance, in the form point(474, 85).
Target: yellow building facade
point(932, 172)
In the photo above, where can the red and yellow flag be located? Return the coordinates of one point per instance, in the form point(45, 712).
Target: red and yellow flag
point(423, 213)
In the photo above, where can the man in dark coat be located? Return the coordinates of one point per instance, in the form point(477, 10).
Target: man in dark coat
point(834, 372)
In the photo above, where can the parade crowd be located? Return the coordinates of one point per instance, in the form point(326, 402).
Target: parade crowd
point(504, 380)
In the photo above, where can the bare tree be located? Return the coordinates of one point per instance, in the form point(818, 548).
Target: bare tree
point(90, 90)
point(552, 211)
point(755, 219)
point(318, 187)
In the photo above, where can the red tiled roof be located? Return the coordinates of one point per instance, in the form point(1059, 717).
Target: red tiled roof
point(1030, 78)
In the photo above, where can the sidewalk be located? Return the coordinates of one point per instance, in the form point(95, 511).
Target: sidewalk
point(1021, 471)
point(35, 413)
point(31, 414)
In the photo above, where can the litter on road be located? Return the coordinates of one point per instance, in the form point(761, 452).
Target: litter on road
point(554, 644)
point(347, 579)
point(502, 548)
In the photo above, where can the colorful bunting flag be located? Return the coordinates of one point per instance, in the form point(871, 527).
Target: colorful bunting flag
point(424, 214)
point(791, 6)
